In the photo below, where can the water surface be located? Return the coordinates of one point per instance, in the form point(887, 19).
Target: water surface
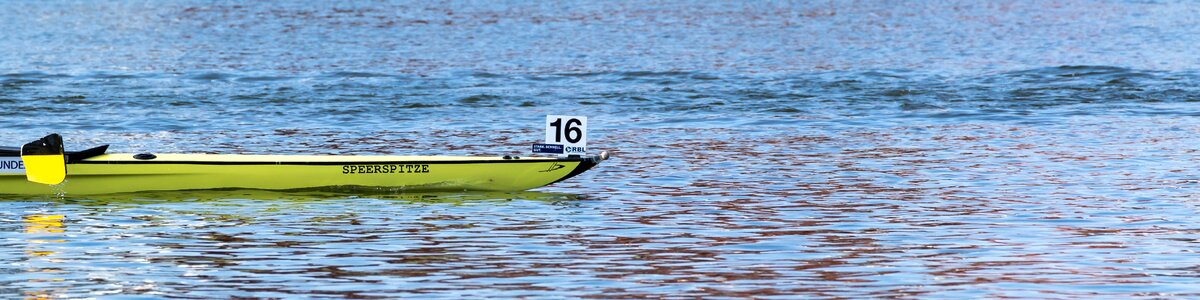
point(830, 150)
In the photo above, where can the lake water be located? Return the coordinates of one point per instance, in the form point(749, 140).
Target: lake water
point(954, 149)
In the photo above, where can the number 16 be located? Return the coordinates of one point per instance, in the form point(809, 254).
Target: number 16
point(572, 131)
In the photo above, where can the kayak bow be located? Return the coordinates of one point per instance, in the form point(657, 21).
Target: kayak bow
point(91, 172)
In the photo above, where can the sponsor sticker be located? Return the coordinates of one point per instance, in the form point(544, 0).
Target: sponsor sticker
point(12, 165)
point(548, 148)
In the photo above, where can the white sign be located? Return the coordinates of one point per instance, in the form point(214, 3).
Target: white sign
point(569, 131)
point(12, 165)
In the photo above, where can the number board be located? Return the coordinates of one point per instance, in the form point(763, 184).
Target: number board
point(568, 131)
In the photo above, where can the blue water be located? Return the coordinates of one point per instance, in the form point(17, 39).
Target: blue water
point(769, 149)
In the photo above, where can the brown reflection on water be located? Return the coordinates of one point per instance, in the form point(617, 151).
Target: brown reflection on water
point(906, 211)
point(939, 190)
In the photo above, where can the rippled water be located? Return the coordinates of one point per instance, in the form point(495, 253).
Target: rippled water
point(948, 150)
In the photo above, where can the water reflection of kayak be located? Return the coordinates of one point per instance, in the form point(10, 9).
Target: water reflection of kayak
point(94, 172)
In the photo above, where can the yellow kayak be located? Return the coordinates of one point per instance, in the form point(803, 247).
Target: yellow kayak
point(89, 172)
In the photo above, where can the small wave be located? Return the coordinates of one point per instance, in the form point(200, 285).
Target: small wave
point(477, 99)
point(909, 106)
point(252, 79)
point(110, 76)
point(14, 82)
point(33, 75)
point(210, 76)
point(899, 92)
point(356, 75)
point(21, 79)
point(785, 110)
point(418, 105)
point(634, 74)
point(1075, 73)
point(486, 75)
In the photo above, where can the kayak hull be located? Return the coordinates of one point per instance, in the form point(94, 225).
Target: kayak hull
point(122, 173)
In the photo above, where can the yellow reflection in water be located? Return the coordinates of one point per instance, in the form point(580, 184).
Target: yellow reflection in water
point(43, 224)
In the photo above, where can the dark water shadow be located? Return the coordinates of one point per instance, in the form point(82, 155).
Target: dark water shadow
point(293, 196)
